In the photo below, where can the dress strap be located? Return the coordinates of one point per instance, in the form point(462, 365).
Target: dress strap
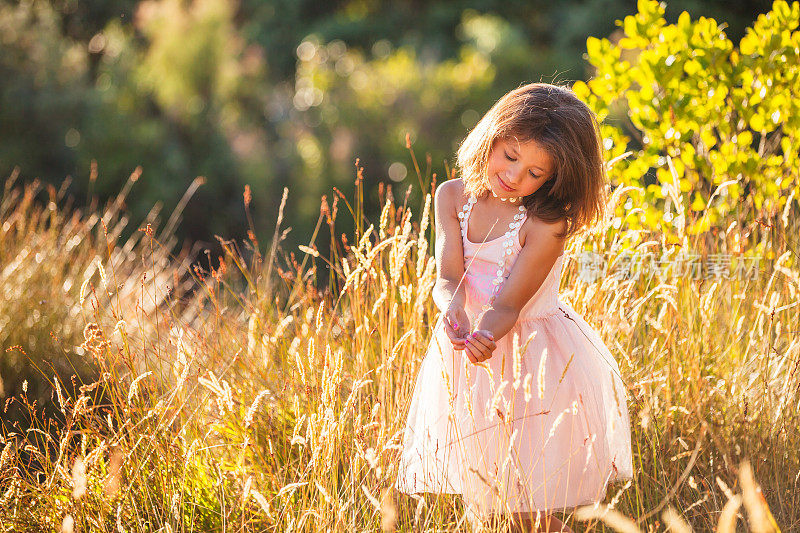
point(463, 215)
point(508, 244)
point(507, 240)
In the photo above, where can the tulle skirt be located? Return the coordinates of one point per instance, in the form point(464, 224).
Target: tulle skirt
point(542, 425)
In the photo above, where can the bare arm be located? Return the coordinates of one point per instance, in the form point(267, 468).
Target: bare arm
point(449, 251)
point(536, 259)
point(449, 294)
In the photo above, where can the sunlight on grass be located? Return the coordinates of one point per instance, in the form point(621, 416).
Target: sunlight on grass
point(249, 397)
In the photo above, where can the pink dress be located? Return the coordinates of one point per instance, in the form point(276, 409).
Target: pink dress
point(546, 429)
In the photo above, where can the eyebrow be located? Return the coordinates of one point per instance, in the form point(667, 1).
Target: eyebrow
point(514, 150)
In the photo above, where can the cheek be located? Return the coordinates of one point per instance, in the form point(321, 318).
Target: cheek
point(495, 165)
point(530, 187)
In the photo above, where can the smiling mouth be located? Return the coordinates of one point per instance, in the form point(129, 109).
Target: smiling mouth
point(504, 184)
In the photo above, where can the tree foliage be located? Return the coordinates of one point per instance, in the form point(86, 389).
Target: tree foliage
point(219, 89)
point(725, 116)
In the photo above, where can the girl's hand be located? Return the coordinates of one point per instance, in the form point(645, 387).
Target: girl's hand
point(480, 345)
point(456, 325)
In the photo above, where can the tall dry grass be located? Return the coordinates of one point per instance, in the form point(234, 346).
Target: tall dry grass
point(261, 401)
point(52, 258)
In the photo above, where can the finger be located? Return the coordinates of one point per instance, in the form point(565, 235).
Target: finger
point(486, 353)
point(452, 322)
point(489, 343)
point(479, 340)
point(486, 335)
point(476, 351)
point(458, 346)
point(452, 335)
point(457, 318)
point(463, 322)
point(484, 349)
point(470, 355)
point(456, 341)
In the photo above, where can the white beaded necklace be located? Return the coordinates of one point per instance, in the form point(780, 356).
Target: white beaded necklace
point(508, 242)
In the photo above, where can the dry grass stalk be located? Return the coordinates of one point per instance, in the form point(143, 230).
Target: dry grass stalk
point(324, 442)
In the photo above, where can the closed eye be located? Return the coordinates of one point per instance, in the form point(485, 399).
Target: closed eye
point(534, 176)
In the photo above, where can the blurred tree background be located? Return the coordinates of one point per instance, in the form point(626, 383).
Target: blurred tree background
point(274, 93)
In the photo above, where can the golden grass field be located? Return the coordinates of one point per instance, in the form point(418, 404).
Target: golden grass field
point(248, 398)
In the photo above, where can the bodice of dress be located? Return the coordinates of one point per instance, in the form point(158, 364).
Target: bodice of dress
point(488, 264)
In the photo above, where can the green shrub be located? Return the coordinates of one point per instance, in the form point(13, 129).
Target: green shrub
point(726, 116)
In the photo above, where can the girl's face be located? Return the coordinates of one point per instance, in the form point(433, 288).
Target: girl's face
point(517, 169)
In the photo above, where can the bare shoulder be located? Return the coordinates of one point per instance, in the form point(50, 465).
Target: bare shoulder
point(536, 230)
point(449, 194)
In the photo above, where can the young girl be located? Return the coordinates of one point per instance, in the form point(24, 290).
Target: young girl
point(518, 405)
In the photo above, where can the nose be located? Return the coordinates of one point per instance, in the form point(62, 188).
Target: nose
point(512, 177)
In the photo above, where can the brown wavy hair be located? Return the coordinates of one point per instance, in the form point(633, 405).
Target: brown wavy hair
point(556, 119)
